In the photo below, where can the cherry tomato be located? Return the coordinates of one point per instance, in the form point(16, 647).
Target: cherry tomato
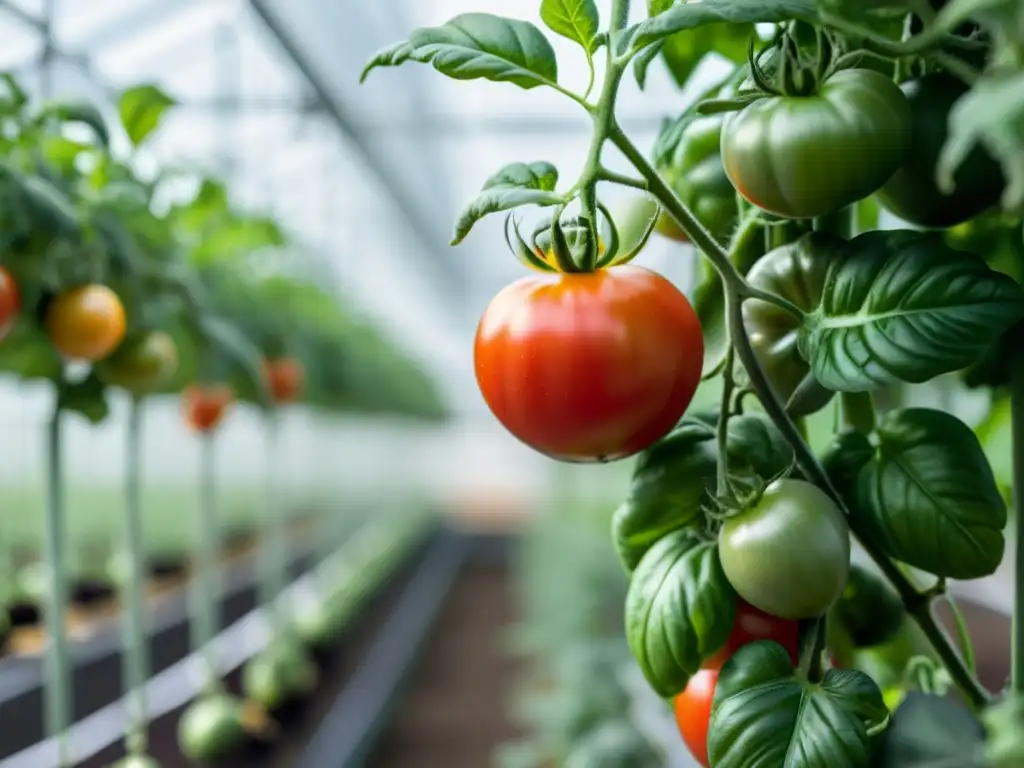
point(285, 377)
point(592, 366)
point(693, 712)
point(789, 553)
point(143, 363)
point(10, 302)
point(212, 728)
point(203, 406)
point(754, 624)
point(86, 323)
point(805, 156)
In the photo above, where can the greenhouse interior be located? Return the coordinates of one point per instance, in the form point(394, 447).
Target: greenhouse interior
point(563, 384)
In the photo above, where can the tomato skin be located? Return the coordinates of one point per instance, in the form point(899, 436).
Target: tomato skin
point(696, 173)
point(10, 302)
point(912, 193)
point(795, 271)
point(204, 406)
point(86, 323)
point(788, 554)
point(143, 363)
point(692, 709)
point(802, 157)
point(591, 366)
point(285, 377)
point(753, 624)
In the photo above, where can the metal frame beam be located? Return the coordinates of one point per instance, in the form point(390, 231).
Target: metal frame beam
point(451, 278)
point(26, 18)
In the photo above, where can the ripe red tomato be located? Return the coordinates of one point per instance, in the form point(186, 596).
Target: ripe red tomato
point(693, 712)
point(203, 406)
point(10, 302)
point(86, 323)
point(285, 377)
point(591, 366)
point(754, 624)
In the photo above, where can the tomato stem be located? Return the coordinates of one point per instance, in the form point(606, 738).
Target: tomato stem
point(205, 583)
point(136, 652)
point(918, 606)
point(274, 545)
point(1017, 431)
point(58, 668)
point(858, 411)
point(728, 384)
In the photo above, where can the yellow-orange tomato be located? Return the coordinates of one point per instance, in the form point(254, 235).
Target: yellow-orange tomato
point(203, 405)
point(86, 323)
point(10, 302)
point(285, 377)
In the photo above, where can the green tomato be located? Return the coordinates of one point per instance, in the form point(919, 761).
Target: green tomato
point(280, 675)
point(912, 193)
point(143, 363)
point(212, 728)
point(321, 624)
point(695, 172)
point(800, 157)
point(789, 553)
point(796, 272)
point(869, 611)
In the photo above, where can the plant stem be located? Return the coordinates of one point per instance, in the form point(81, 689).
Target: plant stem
point(1017, 430)
point(858, 411)
point(205, 582)
point(58, 671)
point(728, 384)
point(917, 605)
point(275, 543)
point(136, 652)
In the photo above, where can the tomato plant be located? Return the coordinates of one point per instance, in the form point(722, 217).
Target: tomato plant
point(284, 377)
point(86, 322)
point(592, 366)
point(837, 105)
point(204, 406)
point(10, 302)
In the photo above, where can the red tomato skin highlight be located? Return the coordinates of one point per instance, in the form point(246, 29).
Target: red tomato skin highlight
point(589, 367)
point(693, 712)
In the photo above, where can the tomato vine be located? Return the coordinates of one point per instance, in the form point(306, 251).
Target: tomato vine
point(837, 83)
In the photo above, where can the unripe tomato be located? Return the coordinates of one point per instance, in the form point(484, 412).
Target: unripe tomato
point(279, 675)
point(912, 193)
point(789, 553)
point(86, 323)
point(592, 366)
point(10, 302)
point(143, 363)
point(693, 712)
point(212, 728)
point(285, 377)
point(204, 406)
point(136, 761)
point(805, 156)
point(696, 173)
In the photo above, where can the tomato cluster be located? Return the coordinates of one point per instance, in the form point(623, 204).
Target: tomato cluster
point(693, 706)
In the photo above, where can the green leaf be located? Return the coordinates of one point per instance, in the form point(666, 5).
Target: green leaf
point(675, 478)
point(929, 498)
point(87, 398)
point(680, 609)
point(684, 51)
point(990, 114)
point(764, 716)
point(513, 186)
point(576, 20)
point(904, 306)
point(478, 45)
point(142, 108)
point(931, 731)
point(692, 15)
point(78, 112)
